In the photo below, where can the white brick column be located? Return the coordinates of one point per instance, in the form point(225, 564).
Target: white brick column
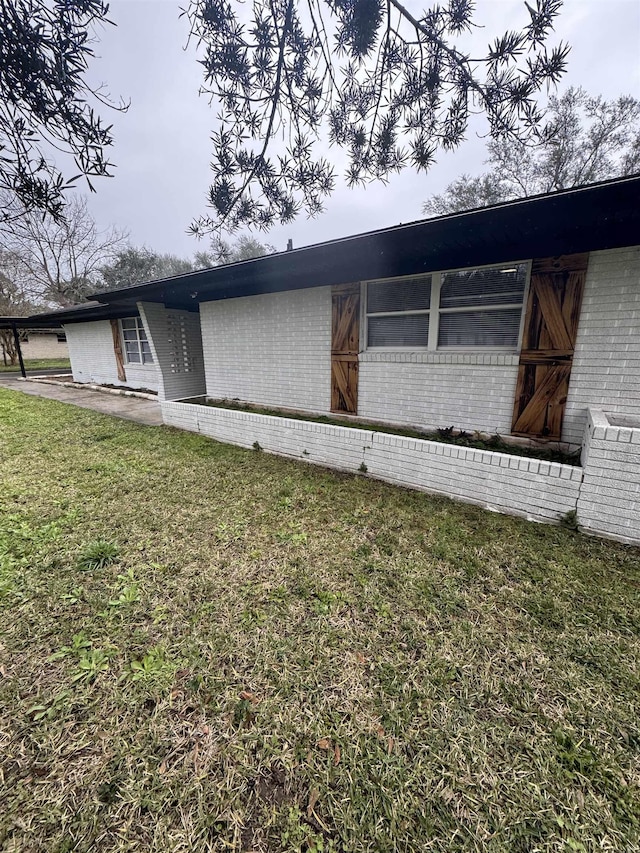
point(609, 502)
point(176, 345)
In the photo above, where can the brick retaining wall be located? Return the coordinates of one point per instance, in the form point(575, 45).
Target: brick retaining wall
point(542, 491)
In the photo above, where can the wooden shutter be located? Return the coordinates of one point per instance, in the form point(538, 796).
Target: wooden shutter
point(117, 350)
point(550, 328)
point(345, 343)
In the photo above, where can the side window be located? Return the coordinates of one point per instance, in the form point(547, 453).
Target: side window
point(136, 345)
point(482, 307)
point(398, 312)
point(460, 309)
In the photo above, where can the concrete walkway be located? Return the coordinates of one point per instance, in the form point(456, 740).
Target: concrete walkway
point(131, 408)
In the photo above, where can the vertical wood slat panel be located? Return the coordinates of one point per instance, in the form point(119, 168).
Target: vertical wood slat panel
point(345, 344)
point(117, 350)
point(550, 329)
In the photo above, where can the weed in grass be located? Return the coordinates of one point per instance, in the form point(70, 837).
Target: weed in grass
point(79, 644)
point(74, 596)
point(300, 836)
point(90, 665)
point(291, 537)
point(97, 555)
point(363, 468)
point(257, 446)
point(50, 710)
point(324, 601)
point(570, 520)
point(129, 592)
point(154, 666)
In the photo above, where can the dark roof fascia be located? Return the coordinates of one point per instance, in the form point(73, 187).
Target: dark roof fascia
point(83, 314)
point(29, 323)
point(597, 217)
point(10, 322)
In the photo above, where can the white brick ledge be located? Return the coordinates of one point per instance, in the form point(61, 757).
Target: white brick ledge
point(499, 359)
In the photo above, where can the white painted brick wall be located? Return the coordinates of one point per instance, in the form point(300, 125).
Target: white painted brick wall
point(431, 390)
point(93, 360)
point(510, 484)
point(609, 501)
point(173, 382)
point(606, 364)
point(273, 349)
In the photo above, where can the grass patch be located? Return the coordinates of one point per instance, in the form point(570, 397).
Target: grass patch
point(274, 657)
point(37, 364)
point(445, 435)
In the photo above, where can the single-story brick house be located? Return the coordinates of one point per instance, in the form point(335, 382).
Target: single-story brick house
point(515, 319)
point(36, 343)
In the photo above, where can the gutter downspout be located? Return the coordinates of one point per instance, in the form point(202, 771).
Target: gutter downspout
point(16, 338)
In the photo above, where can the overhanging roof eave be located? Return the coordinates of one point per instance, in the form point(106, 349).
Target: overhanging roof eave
point(601, 216)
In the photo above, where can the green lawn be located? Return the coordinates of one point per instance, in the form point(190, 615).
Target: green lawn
point(204, 648)
point(37, 364)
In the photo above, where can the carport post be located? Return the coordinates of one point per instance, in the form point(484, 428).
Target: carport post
point(16, 338)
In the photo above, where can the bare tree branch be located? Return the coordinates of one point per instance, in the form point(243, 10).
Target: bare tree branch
point(58, 263)
point(584, 140)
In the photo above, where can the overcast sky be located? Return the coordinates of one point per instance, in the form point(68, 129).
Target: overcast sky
point(162, 144)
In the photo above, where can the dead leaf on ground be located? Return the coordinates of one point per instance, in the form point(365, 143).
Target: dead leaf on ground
point(249, 697)
point(336, 755)
point(314, 796)
point(324, 743)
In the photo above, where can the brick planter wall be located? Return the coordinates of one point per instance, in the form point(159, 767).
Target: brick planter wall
point(605, 491)
point(542, 491)
point(516, 485)
point(609, 501)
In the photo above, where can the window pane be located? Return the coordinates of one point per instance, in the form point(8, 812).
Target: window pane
point(474, 288)
point(130, 335)
point(409, 331)
point(133, 353)
point(129, 323)
point(147, 358)
point(480, 329)
point(407, 294)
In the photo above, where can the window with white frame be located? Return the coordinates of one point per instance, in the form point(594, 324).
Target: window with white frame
point(398, 312)
point(462, 309)
point(136, 345)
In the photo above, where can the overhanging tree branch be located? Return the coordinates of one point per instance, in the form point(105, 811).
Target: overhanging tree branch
point(389, 93)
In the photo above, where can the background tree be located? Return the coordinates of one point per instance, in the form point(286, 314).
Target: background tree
point(13, 303)
point(244, 248)
point(406, 89)
point(46, 102)
point(58, 263)
point(134, 265)
point(584, 139)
